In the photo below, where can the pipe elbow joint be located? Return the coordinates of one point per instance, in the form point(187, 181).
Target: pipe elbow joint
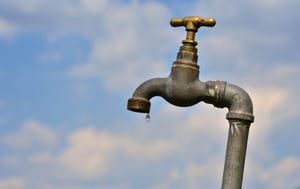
point(236, 99)
point(239, 103)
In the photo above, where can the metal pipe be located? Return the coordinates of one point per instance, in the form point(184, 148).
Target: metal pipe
point(183, 88)
point(235, 154)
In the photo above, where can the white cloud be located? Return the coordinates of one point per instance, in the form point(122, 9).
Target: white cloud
point(31, 134)
point(125, 37)
point(282, 174)
point(189, 145)
point(88, 153)
point(12, 183)
point(92, 152)
point(7, 29)
point(132, 47)
point(193, 175)
point(131, 39)
point(248, 36)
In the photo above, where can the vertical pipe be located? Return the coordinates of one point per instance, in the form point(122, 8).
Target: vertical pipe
point(235, 154)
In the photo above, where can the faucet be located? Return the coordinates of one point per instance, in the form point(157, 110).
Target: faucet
point(183, 88)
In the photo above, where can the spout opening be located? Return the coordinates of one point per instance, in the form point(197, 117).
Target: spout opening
point(138, 105)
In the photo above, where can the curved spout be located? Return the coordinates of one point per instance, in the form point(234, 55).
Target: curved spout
point(141, 96)
point(181, 88)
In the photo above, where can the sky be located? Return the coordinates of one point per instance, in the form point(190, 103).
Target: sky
point(67, 69)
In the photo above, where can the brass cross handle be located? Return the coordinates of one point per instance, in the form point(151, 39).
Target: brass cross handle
point(191, 24)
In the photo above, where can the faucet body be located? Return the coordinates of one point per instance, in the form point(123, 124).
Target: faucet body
point(183, 88)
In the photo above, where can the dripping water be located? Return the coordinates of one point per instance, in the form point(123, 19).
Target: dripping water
point(147, 118)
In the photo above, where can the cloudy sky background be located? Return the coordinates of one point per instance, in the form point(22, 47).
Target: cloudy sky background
point(67, 69)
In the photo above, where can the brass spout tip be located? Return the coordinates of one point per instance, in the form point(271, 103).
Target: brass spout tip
point(138, 105)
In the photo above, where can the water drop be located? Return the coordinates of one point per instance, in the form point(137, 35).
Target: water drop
point(147, 118)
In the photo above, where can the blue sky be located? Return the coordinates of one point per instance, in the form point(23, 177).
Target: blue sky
point(67, 69)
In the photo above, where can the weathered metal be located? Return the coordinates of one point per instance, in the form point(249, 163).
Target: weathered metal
point(235, 154)
point(183, 88)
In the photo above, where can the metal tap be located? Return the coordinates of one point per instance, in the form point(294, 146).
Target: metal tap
point(183, 88)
